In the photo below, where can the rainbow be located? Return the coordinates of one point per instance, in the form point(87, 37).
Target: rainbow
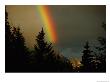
point(49, 25)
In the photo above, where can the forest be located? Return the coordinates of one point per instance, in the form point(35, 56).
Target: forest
point(19, 58)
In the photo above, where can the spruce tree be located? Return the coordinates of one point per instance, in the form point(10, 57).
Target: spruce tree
point(46, 59)
point(15, 48)
point(8, 44)
point(20, 50)
point(44, 52)
point(87, 59)
point(101, 52)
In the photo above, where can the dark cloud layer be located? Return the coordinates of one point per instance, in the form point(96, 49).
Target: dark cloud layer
point(77, 24)
point(74, 25)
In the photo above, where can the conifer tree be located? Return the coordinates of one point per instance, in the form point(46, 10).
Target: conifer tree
point(44, 51)
point(87, 59)
point(19, 49)
point(46, 58)
point(16, 51)
point(8, 44)
point(101, 52)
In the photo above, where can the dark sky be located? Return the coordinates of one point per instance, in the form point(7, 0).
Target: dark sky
point(74, 25)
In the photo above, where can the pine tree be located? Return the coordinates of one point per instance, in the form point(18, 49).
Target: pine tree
point(19, 49)
point(101, 52)
point(8, 42)
point(16, 51)
point(87, 59)
point(44, 52)
point(46, 58)
point(9, 55)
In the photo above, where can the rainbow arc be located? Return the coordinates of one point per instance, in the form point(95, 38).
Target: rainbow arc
point(49, 25)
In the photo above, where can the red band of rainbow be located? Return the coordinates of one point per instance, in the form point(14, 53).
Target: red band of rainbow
point(48, 23)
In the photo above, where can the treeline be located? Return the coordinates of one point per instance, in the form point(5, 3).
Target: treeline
point(94, 61)
point(18, 58)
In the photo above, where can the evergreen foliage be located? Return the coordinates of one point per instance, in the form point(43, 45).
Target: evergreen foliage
point(87, 59)
point(44, 58)
point(16, 51)
point(101, 55)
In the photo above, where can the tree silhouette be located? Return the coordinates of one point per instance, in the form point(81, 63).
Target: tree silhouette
point(97, 61)
point(87, 59)
point(19, 49)
point(46, 58)
point(42, 59)
point(8, 44)
point(16, 51)
point(42, 49)
point(101, 55)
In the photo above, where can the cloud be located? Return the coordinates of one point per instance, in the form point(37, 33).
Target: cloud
point(70, 52)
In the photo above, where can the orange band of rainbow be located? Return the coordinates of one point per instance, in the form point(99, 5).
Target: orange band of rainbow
point(48, 23)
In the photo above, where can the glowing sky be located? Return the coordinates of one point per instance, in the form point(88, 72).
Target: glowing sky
point(74, 25)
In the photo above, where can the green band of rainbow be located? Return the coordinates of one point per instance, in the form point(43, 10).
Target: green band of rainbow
point(48, 23)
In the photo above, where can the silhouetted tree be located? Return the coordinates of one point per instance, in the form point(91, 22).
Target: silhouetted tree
point(19, 49)
point(101, 52)
point(87, 59)
point(97, 61)
point(42, 49)
point(16, 51)
point(8, 44)
point(46, 59)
